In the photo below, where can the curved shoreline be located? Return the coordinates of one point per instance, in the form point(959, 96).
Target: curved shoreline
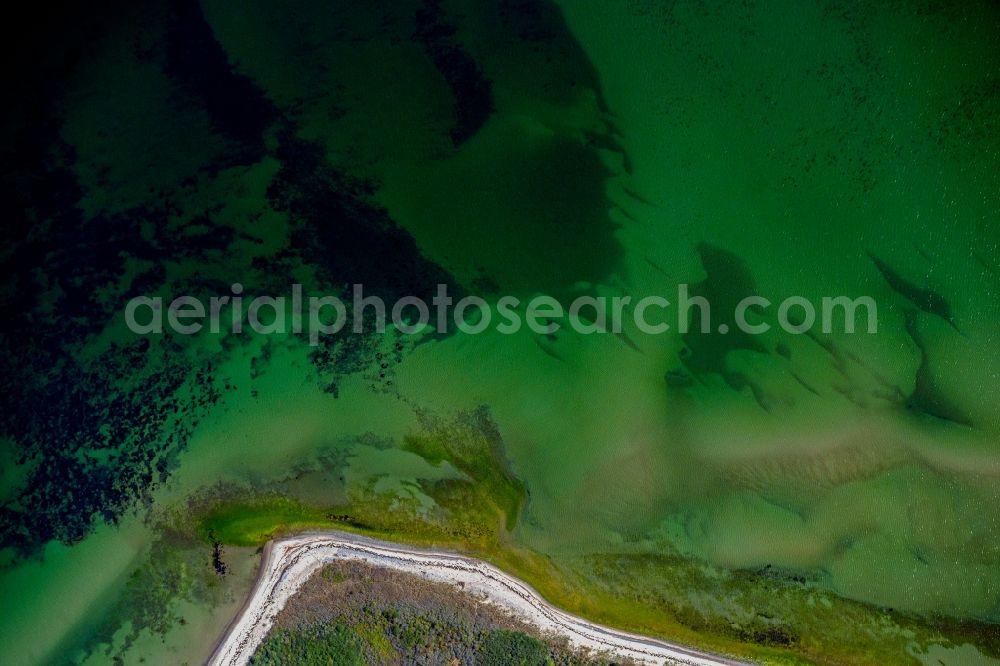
point(286, 564)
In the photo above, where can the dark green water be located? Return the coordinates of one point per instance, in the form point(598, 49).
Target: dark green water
point(620, 148)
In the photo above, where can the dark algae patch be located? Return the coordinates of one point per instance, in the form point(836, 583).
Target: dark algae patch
point(98, 424)
point(198, 64)
point(924, 299)
point(727, 282)
point(471, 90)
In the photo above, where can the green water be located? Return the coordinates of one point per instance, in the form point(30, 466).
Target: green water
point(778, 149)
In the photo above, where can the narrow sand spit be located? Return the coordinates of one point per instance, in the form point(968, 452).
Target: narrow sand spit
point(288, 563)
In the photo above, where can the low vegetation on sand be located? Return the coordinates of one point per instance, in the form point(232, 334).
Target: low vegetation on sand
point(351, 613)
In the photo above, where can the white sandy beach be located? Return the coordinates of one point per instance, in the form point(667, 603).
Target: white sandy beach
point(288, 563)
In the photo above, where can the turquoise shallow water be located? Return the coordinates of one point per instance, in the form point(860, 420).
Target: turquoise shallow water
point(805, 149)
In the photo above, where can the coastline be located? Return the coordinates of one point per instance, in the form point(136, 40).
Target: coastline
point(287, 563)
